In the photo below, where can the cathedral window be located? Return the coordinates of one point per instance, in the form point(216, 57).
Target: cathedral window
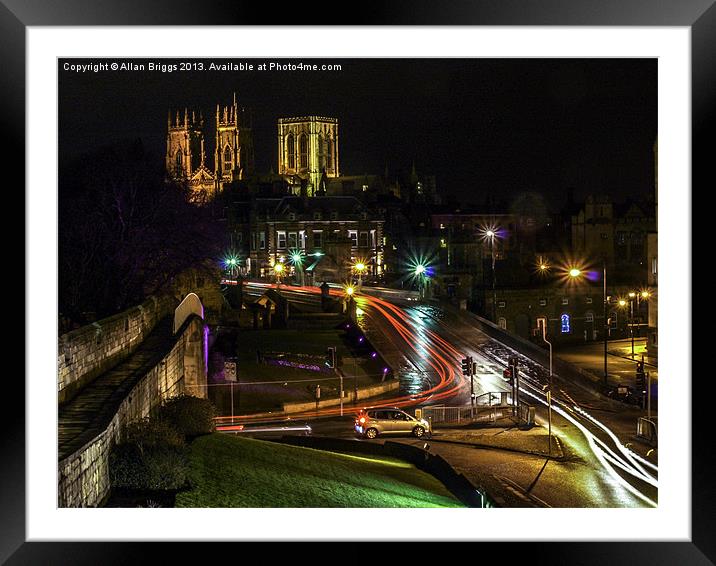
point(329, 154)
point(291, 146)
point(227, 158)
point(321, 154)
point(179, 159)
point(303, 150)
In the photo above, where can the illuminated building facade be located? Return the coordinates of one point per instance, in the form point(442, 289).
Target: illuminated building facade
point(308, 153)
point(186, 152)
point(330, 233)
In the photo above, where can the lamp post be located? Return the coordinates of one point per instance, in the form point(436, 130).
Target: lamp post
point(278, 269)
point(420, 274)
point(297, 260)
point(360, 268)
point(549, 387)
point(575, 273)
point(632, 296)
point(490, 234)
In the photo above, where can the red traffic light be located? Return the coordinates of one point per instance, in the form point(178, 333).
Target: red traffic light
point(507, 374)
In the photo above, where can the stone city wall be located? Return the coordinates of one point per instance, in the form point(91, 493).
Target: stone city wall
point(83, 477)
point(87, 352)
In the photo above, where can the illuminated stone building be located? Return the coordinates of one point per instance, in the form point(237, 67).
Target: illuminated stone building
point(330, 233)
point(186, 153)
point(308, 153)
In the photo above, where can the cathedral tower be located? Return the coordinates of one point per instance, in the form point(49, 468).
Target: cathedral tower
point(308, 149)
point(234, 152)
point(184, 143)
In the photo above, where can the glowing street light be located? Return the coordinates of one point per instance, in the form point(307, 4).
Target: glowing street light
point(490, 233)
point(278, 269)
point(419, 269)
point(350, 290)
point(574, 272)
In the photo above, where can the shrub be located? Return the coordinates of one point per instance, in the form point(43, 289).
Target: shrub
point(152, 456)
point(190, 416)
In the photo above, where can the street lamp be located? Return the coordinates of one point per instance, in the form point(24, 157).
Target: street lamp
point(297, 261)
point(490, 234)
point(420, 274)
point(278, 269)
point(576, 273)
point(360, 267)
point(549, 387)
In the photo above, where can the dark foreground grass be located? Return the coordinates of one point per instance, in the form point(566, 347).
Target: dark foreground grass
point(227, 471)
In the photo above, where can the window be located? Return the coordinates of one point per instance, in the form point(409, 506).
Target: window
point(292, 240)
point(564, 324)
point(365, 188)
point(302, 239)
point(179, 159)
point(604, 236)
point(253, 240)
point(281, 236)
point(303, 150)
point(353, 235)
point(291, 150)
point(227, 159)
point(502, 323)
point(329, 154)
point(501, 304)
point(589, 300)
point(653, 266)
point(262, 240)
point(334, 216)
point(316, 215)
point(321, 154)
point(543, 302)
point(363, 242)
point(613, 320)
point(292, 216)
point(589, 317)
point(317, 238)
point(565, 301)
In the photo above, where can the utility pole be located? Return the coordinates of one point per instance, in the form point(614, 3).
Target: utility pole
point(606, 321)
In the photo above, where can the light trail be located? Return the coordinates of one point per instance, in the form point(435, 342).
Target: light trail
point(443, 357)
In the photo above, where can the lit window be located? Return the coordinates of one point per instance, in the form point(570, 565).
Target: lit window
point(292, 240)
point(589, 300)
point(353, 235)
point(564, 320)
point(502, 323)
point(589, 317)
point(291, 146)
point(543, 302)
point(281, 240)
point(501, 304)
point(303, 150)
point(565, 301)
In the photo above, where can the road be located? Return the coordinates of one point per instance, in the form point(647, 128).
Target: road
point(426, 343)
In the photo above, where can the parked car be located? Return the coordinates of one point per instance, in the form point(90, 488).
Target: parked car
point(373, 421)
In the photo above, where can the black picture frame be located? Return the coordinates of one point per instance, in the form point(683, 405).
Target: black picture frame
point(699, 15)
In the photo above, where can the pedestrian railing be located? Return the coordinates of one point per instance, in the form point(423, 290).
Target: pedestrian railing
point(647, 429)
point(487, 408)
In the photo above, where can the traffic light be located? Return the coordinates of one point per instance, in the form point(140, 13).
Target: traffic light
point(467, 366)
point(507, 374)
point(640, 381)
point(331, 357)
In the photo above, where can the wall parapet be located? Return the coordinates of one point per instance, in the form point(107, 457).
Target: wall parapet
point(85, 353)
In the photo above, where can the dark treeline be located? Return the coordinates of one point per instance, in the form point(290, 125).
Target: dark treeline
point(125, 232)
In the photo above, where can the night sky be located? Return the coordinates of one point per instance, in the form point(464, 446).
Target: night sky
point(499, 126)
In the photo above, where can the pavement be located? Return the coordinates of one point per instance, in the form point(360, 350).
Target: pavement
point(514, 468)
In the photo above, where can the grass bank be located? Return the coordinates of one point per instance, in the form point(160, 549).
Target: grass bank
point(241, 472)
